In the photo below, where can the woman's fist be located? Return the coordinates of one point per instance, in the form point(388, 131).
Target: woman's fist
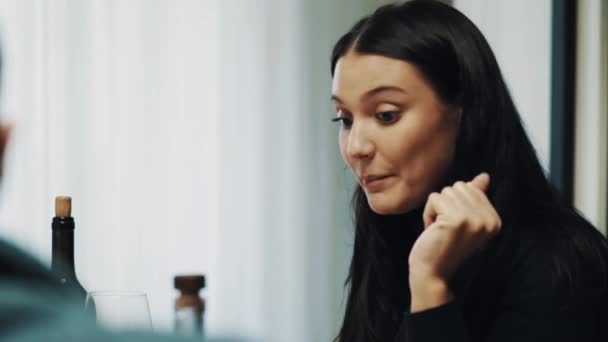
point(457, 222)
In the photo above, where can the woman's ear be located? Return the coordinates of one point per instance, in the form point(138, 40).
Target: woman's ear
point(459, 116)
point(455, 115)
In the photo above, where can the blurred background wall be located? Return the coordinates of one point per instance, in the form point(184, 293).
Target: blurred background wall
point(194, 136)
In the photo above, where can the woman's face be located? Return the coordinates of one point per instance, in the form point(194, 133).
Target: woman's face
point(395, 134)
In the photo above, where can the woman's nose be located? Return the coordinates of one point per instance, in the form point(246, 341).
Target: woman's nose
point(360, 144)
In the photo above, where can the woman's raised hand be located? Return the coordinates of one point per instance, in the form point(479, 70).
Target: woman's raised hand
point(457, 222)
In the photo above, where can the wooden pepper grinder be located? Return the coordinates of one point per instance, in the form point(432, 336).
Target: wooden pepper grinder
point(189, 306)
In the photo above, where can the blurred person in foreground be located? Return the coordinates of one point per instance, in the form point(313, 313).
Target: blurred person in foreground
point(459, 236)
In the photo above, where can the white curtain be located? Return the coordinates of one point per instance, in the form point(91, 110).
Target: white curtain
point(519, 32)
point(194, 137)
point(591, 142)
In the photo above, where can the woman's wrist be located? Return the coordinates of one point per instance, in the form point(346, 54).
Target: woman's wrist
point(428, 292)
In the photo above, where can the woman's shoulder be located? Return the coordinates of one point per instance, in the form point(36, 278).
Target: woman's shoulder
point(565, 256)
point(544, 275)
point(566, 238)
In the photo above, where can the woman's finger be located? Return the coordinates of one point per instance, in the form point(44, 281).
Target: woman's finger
point(447, 203)
point(430, 211)
point(481, 181)
point(466, 193)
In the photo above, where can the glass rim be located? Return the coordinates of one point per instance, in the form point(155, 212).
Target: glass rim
point(112, 293)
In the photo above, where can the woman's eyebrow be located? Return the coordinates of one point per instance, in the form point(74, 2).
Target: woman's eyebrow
point(372, 92)
point(383, 88)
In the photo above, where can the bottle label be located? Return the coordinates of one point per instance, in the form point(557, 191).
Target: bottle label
point(189, 322)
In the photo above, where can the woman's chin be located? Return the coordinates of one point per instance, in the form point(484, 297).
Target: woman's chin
point(385, 206)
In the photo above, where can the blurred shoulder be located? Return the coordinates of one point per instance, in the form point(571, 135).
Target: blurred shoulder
point(16, 264)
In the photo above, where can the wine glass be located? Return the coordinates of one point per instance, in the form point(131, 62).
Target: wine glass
point(120, 310)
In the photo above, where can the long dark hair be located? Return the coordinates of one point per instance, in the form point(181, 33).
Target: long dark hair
point(454, 57)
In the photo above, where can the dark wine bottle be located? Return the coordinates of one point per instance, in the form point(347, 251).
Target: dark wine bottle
point(62, 264)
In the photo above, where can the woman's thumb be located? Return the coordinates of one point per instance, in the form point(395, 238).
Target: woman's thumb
point(482, 181)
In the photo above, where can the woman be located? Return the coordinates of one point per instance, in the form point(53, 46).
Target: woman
point(459, 236)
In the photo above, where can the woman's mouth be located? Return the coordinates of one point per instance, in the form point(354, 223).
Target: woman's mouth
point(375, 183)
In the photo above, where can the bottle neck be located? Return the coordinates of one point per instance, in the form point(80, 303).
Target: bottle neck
point(190, 301)
point(63, 247)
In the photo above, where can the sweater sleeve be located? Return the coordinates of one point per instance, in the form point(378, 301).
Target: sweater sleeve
point(442, 323)
point(534, 307)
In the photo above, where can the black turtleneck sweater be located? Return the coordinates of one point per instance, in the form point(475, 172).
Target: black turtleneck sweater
point(518, 297)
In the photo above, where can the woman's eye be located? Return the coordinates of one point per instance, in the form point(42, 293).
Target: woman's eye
point(345, 122)
point(387, 117)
